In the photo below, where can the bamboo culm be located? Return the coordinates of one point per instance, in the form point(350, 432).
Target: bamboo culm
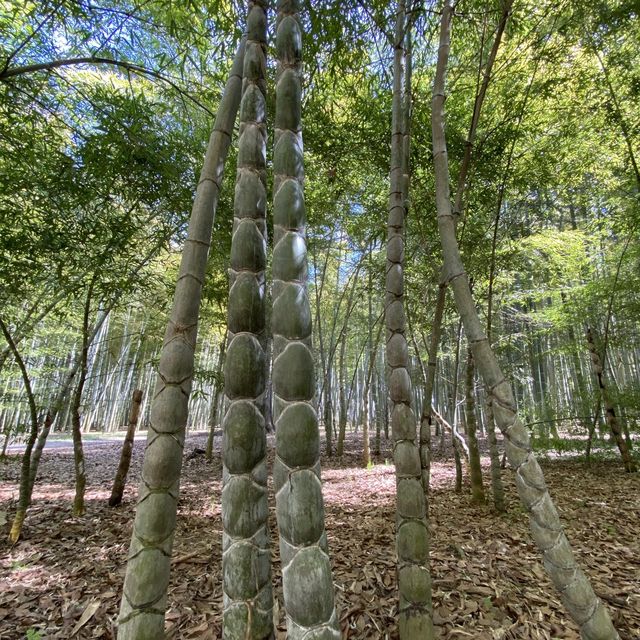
point(144, 597)
point(306, 569)
point(120, 479)
point(246, 563)
point(412, 535)
point(577, 594)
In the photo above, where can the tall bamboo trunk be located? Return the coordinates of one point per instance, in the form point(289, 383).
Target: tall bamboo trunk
point(306, 569)
point(120, 481)
point(144, 597)
point(412, 536)
point(246, 565)
point(609, 409)
point(576, 592)
point(366, 400)
point(342, 395)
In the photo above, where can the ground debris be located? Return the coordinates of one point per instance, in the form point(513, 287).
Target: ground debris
point(65, 576)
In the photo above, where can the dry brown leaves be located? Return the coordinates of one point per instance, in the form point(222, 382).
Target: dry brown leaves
point(64, 578)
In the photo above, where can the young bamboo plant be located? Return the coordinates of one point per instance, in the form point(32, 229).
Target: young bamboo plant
point(412, 536)
point(246, 567)
point(306, 570)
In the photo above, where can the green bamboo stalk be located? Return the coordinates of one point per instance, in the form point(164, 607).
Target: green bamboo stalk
point(412, 535)
point(144, 597)
point(575, 589)
point(246, 567)
point(306, 569)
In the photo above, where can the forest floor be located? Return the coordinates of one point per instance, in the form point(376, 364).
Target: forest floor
point(63, 580)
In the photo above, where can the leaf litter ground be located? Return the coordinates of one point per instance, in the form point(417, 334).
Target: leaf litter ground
point(64, 578)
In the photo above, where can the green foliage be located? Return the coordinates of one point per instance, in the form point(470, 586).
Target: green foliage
point(99, 163)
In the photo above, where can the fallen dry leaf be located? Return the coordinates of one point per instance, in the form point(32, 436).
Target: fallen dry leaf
point(88, 613)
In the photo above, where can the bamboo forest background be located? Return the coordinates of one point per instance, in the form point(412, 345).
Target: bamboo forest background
point(98, 163)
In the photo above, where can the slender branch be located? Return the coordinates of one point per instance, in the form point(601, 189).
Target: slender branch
point(96, 60)
point(621, 121)
point(28, 39)
point(477, 107)
point(23, 370)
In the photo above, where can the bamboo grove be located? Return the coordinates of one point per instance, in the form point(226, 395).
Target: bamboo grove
point(451, 257)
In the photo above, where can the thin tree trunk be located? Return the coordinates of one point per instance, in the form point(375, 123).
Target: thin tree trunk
point(350, 286)
point(426, 420)
point(457, 459)
point(78, 452)
point(453, 404)
point(213, 416)
point(144, 596)
point(497, 487)
point(342, 395)
point(366, 450)
point(323, 359)
point(306, 569)
point(120, 481)
point(578, 375)
point(412, 535)
point(367, 396)
point(592, 429)
point(24, 495)
point(344, 400)
point(327, 384)
point(328, 407)
point(577, 594)
point(379, 408)
point(475, 468)
point(6, 432)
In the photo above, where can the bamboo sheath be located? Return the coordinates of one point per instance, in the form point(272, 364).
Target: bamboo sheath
point(412, 536)
point(246, 565)
point(306, 570)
